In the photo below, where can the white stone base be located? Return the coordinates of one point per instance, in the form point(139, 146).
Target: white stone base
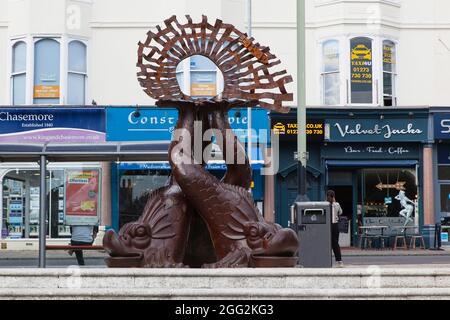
point(370, 283)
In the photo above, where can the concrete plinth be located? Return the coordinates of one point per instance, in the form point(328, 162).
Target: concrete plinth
point(367, 283)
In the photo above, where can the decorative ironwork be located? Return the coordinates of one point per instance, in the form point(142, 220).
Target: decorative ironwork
point(233, 234)
point(246, 66)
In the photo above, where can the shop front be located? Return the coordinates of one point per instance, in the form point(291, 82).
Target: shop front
point(373, 160)
point(132, 182)
point(441, 119)
point(74, 189)
point(21, 200)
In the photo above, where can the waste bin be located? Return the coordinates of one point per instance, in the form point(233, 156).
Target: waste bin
point(313, 224)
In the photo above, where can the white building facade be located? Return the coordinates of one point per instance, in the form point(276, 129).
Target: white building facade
point(362, 53)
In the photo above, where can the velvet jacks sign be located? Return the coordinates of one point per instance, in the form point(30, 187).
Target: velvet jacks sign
point(376, 130)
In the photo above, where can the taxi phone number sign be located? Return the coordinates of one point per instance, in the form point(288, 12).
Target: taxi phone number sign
point(288, 130)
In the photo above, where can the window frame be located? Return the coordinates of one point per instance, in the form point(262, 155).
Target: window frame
point(85, 74)
point(30, 41)
point(394, 73)
point(186, 72)
point(345, 69)
point(61, 61)
point(12, 72)
point(324, 73)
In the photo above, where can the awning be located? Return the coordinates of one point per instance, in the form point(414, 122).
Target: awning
point(371, 164)
point(109, 151)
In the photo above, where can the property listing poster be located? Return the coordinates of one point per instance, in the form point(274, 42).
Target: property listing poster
point(82, 197)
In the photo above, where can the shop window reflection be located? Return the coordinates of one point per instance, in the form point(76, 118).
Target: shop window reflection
point(387, 190)
point(135, 188)
point(21, 205)
point(20, 216)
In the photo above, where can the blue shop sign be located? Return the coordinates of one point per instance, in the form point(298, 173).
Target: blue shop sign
point(166, 166)
point(376, 130)
point(58, 125)
point(444, 154)
point(442, 126)
point(158, 124)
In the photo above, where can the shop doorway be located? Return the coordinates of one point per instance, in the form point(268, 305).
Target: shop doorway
point(344, 195)
point(383, 196)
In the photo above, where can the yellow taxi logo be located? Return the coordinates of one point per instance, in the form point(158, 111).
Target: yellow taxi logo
point(279, 128)
point(361, 52)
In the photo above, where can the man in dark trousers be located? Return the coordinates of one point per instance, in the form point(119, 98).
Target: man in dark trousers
point(336, 213)
point(82, 236)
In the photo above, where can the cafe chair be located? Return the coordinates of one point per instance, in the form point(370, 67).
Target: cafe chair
point(369, 241)
point(385, 242)
point(402, 240)
point(413, 242)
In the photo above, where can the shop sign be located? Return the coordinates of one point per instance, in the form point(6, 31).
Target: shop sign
point(442, 126)
point(166, 166)
point(58, 125)
point(377, 150)
point(81, 197)
point(363, 151)
point(287, 129)
point(399, 186)
point(361, 70)
point(372, 130)
point(158, 124)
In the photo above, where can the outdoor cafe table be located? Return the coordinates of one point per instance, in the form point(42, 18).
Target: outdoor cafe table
point(405, 228)
point(370, 228)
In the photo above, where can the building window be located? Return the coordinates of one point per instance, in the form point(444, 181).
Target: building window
point(19, 73)
point(42, 79)
point(389, 73)
point(47, 72)
point(77, 74)
point(330, 73)
point(199, 77)
point(361, 74)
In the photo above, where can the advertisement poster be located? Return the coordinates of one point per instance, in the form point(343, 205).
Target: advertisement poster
point(82, 197)
point(361, 70)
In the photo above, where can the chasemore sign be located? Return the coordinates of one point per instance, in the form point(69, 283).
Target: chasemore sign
point(158, 124)
point(57, 125)
point(376, 130)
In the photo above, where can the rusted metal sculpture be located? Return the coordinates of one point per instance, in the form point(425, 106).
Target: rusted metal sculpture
point(245, 65)
point(239, 235)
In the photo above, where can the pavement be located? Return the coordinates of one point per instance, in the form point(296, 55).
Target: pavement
point(352, 258)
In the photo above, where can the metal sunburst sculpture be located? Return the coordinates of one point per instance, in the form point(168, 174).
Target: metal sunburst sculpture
point(230, 232)
point(245, 65)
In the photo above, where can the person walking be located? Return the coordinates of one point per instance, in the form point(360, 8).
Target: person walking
point(82, 236)
point(336, 213)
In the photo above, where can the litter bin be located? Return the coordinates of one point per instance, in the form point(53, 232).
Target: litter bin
point(313, 224)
